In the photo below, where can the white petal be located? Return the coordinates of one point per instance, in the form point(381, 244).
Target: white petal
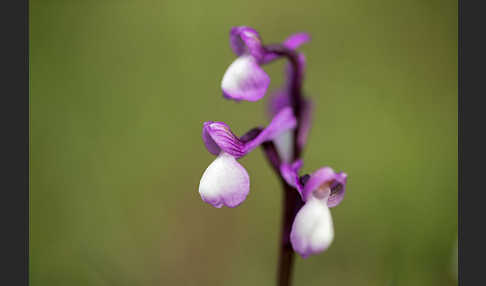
point(312, 231)
point(225, 182)
point(245, 80)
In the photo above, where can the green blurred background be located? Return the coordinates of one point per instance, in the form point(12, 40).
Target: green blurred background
point(119, 92)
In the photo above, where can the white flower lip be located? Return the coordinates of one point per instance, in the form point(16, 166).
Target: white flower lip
point(245, 80)
point(224, 183)
point(312, 231)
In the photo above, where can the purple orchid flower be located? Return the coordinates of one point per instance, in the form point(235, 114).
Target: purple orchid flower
point(225, 181)
point(307, 222)
point(312, 230)
point(245, 79)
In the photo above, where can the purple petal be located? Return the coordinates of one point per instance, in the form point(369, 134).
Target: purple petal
point(294, 41)
point(224, 183)
point(297, 165)
point(246, 40)
point(327, 177)
point(290, 173)
point(338, 189)
point(211, 146)
point(217, 137)
point(282, 122)
point(245, 80)
point(312, 230)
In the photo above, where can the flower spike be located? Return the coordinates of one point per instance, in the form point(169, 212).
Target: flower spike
point(308, 225)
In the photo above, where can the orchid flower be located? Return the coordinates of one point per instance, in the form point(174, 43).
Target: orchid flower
point(312, 231)
point(307, 222)
point(225, 181)
point(245, 79)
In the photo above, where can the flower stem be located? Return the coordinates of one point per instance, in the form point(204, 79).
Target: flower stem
point(292, 203)
point(291, 200)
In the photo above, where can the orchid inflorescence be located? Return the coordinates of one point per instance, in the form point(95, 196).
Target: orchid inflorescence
point(226, 182)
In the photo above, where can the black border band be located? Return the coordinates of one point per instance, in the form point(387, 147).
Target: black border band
point(471, 144)
point(14, 206)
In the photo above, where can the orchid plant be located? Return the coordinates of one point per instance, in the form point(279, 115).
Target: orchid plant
point(307, 226)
